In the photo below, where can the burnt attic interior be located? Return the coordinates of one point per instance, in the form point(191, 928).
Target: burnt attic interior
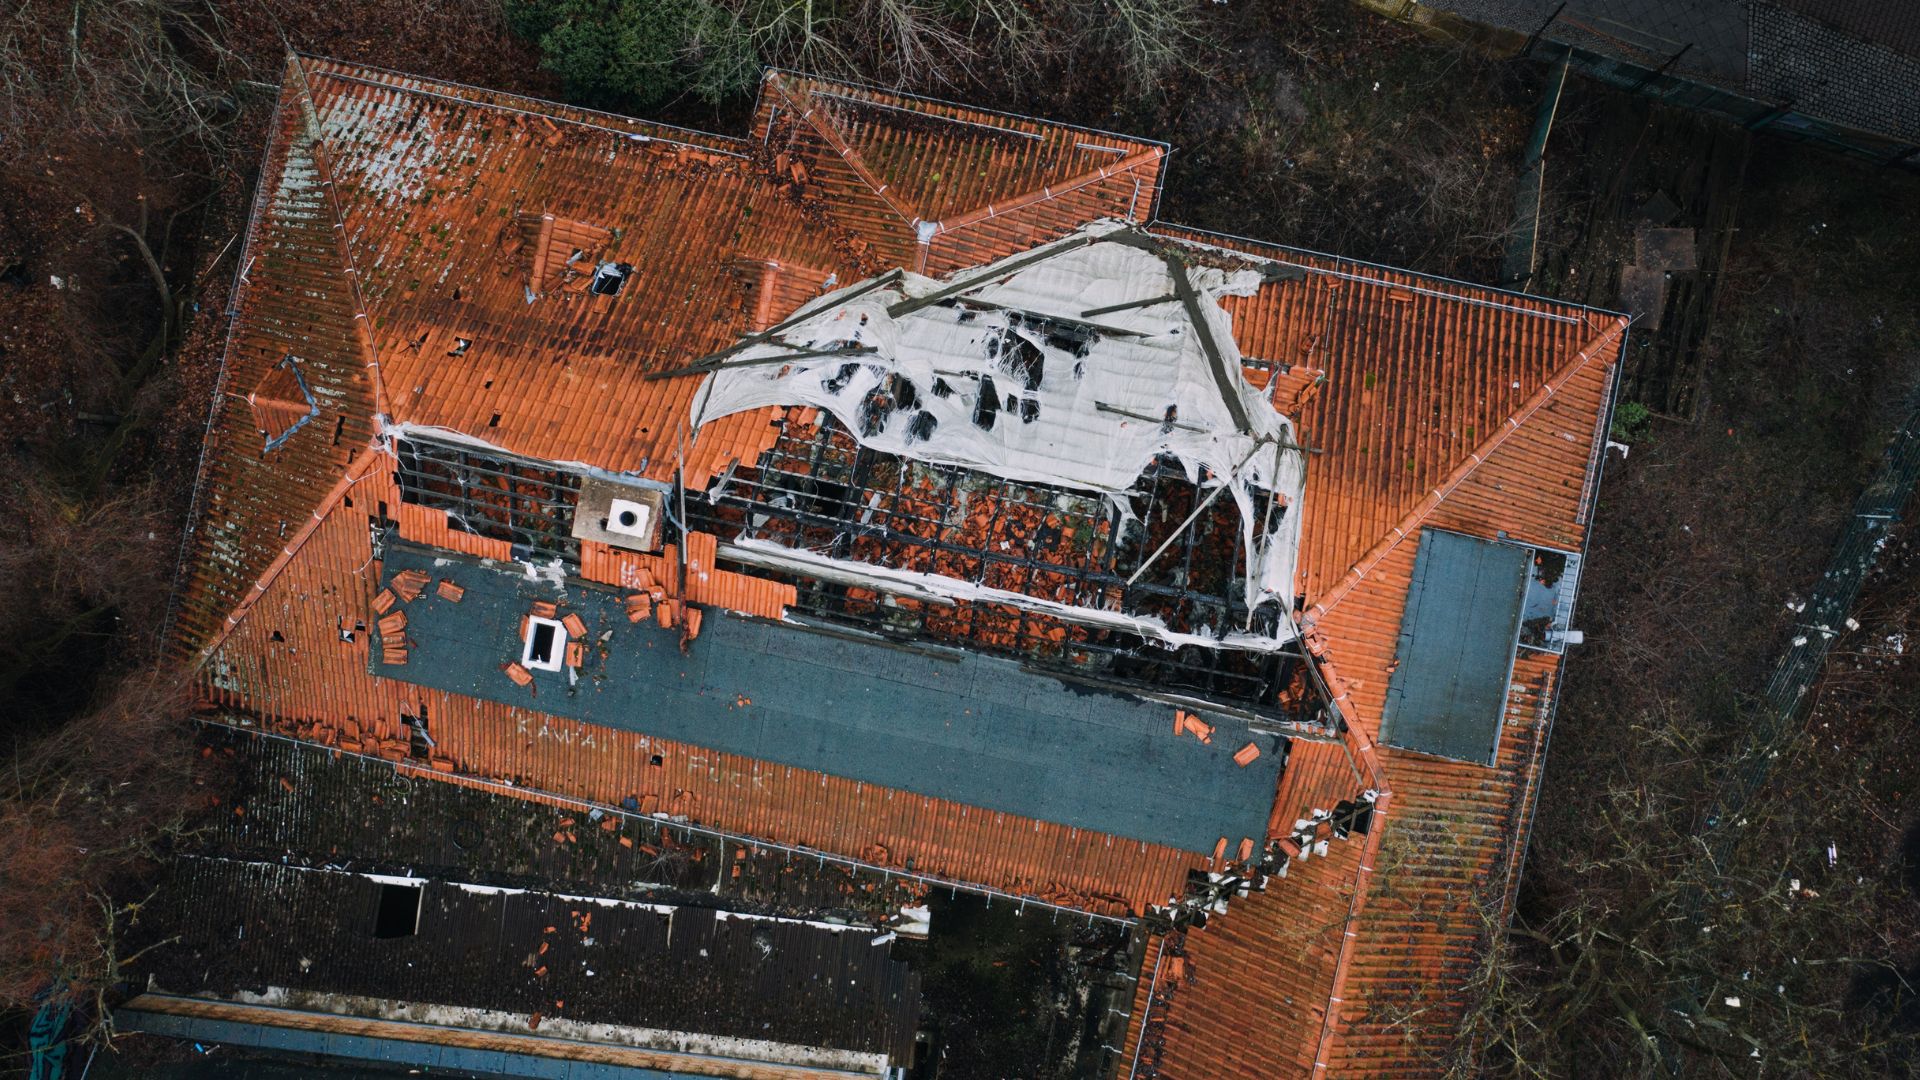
point(626, 528)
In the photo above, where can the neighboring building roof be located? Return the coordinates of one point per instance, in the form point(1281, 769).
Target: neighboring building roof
point(305, 938)
point(527, 282)
point(1852, 63)
point(1874, 22)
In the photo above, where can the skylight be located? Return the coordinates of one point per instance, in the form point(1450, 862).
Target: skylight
point(546, 645)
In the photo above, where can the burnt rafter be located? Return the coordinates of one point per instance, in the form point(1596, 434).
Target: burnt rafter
point(818, 490)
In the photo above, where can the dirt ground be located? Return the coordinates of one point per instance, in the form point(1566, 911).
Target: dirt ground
point(1705, 535)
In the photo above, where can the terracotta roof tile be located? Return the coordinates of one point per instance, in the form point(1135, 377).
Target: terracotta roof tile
point(425, 249)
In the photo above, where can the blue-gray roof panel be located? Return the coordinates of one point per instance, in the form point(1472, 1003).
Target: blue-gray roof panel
point(973, 729)
point(1448, 694)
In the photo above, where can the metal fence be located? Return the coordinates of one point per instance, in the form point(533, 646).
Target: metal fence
point(1782, 704)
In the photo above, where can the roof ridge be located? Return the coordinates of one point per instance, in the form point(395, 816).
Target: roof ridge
point(359, 470)
point(812, 115)
point(1614, 326)
point(362, 326)
point(1043, 193)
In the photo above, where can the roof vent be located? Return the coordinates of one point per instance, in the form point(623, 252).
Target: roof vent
point(630, 518)
point(621, 515)
point(546, 645)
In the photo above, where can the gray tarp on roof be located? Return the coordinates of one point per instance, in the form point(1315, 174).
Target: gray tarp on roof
point(1449, 692)
point(973, 729)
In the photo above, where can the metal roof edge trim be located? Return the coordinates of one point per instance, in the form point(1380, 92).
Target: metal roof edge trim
point(772, 71)
point(402, 78)
point(1531, 799)
point(235, 294)
point(191, 1011)
point(1159, 227)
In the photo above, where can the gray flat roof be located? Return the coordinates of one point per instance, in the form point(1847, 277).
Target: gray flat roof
point(972, 729)
point(1448, 695)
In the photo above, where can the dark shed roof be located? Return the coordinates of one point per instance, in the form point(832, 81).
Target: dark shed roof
point(247, 926)
point(1449, 692)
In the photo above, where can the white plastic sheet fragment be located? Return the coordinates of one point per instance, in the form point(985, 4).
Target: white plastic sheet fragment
point(1013, 377)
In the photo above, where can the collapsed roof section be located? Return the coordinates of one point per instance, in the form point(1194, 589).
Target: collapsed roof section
point(1085, 365)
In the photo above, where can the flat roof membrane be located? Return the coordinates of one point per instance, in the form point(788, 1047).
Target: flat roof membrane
point(1449, 692)
point(973, 729)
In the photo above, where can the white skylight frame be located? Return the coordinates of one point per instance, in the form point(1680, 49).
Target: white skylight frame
point(556, 651)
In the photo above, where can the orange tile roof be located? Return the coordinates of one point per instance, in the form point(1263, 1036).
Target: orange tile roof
point(425, 249)
point(1431, 403)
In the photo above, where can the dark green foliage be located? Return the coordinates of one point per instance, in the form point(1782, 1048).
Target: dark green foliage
point(614, 54)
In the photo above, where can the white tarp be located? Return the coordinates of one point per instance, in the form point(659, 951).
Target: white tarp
point(1085, 402)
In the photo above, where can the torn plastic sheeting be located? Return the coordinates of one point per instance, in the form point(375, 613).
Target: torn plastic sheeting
point(1010, 379)
point(392, 432)
point(922, 586)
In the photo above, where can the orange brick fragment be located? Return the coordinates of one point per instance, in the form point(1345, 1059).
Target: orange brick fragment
point(408, 584)
point(1200, 728)
point(639, 607)
point(1245, 756)
point(576, 626)
point(521, 676)
point(449, 591)
point(624, 842)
